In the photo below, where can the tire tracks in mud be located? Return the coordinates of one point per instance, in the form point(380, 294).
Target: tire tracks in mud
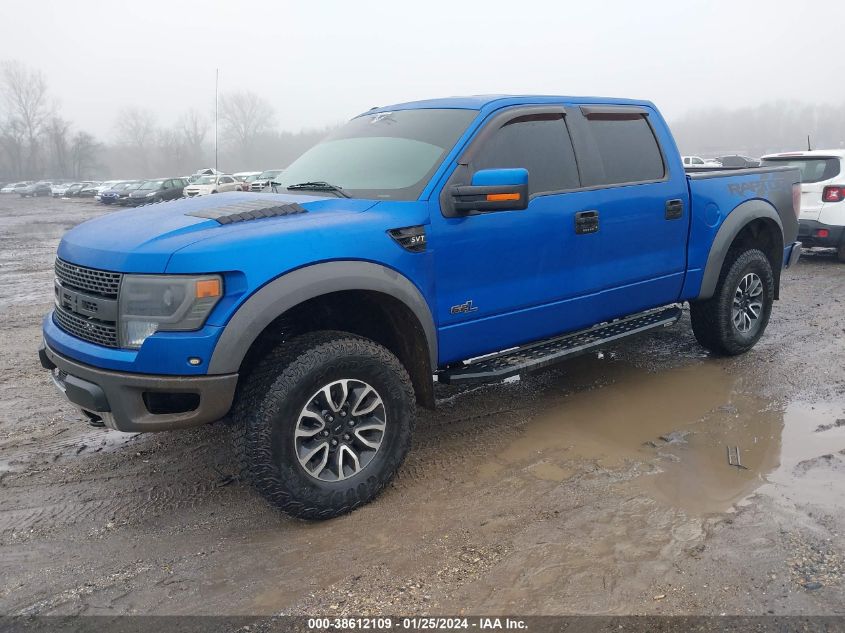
point(95, 478)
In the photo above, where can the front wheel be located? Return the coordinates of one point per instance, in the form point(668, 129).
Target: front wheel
point(735, 317)
point(323, 423)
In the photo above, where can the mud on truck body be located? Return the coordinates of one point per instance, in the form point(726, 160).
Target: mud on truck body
point(415, 242)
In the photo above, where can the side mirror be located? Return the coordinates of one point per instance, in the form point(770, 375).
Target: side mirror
point(493, 190)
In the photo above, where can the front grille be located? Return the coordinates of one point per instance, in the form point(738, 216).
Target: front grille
point(99, 332)
point(100, 282)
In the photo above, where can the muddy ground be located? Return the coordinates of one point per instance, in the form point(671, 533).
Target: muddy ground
point(599, 487)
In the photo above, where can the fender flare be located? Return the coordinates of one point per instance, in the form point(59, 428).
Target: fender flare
point(735, 221)
point(293, 288)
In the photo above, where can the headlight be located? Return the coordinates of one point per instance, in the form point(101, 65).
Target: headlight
point(151, 303)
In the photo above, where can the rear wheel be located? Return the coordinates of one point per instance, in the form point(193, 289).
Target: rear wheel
point(840, 252)
point(323, 423)
point(733, 320)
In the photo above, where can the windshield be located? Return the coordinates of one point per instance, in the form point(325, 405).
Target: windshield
point(387, 155)
point(813, 168)
point(151, 184)
point(206, 180)
point(267, 175)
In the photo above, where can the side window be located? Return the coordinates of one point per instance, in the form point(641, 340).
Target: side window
point(627, 150)
point(538, 142)
point(226, 180)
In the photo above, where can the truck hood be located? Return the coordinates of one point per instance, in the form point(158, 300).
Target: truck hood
point(144, 239)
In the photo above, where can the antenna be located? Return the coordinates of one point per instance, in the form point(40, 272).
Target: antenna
point(809, 149)
point(216, 107)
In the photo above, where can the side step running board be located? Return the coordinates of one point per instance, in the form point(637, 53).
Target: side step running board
point(535, 356)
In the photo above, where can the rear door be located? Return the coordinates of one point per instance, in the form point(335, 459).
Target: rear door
point(641, 203)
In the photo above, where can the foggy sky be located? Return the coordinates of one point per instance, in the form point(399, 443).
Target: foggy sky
point(321, 62)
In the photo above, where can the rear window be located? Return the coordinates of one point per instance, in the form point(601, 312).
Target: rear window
point(628, 151)
point(812, 169)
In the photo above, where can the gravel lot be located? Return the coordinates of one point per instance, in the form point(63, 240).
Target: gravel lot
point(600, 487)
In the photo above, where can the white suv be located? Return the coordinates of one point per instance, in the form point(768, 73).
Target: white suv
point(822, 219)
point(215, 183)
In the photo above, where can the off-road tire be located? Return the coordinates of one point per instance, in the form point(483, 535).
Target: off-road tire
point(268, 406)
point(712, 321)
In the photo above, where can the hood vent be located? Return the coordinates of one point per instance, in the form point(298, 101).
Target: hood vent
point(245, 211)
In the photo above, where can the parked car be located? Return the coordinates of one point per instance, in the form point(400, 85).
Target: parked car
point(735, 161)
point(318, 316)
point(36, 190)
point(15, 187)
point(697, 161)
point(58, 189)
point(104, 186)
point(263, 180)
point(822, 219)
point(119, 190)
point(212, 184)
point(74, 189)
point(123, 196)
point(89, 190)
point(157, 190)
point(246, 178)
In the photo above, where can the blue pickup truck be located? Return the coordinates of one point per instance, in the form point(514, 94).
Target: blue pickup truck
point(453, 240)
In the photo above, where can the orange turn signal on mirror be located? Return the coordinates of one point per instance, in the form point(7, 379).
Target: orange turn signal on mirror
point(208, 288)
point(502, 197)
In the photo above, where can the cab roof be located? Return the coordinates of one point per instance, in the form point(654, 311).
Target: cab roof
point(492, 102)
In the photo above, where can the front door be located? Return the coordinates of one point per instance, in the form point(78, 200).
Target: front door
point(508, 277)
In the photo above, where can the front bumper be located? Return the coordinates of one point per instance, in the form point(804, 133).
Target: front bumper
point(808, 233)
point(140, 402)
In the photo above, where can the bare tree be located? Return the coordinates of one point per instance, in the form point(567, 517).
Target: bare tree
point(13, 143)
point(57, 134)
point(193, 130)
point(24, 94)
point(245, 117)
point(136, 131)
point(83, 154)
point(171, 151)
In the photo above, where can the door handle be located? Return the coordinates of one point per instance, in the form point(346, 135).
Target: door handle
point(674, 209)
point(586, 222)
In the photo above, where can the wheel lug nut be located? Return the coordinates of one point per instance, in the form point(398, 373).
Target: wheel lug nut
point(343, 414)
point(334, 442)
point(351, 423)
point(346, 437)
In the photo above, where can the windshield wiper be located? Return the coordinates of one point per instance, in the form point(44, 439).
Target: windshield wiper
point(318, 185)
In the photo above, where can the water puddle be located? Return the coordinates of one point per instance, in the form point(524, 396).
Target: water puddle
point(812, 461)
point(670, 433)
